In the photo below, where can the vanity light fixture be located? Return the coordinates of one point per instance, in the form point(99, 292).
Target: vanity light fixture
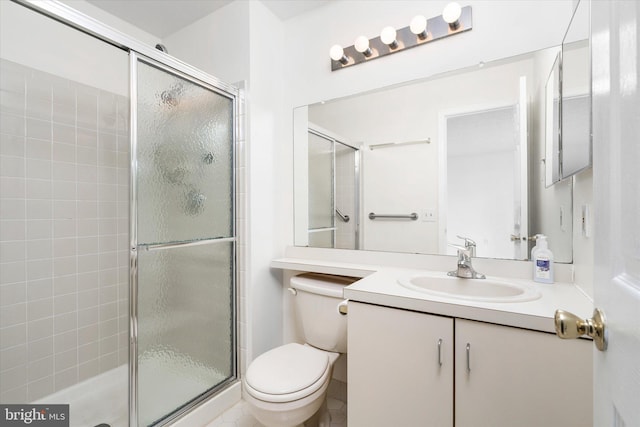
point(454, 20)
point(451, 15)
point(337, 54)
point(362, 46)
point(388, 37)
point(418, 26)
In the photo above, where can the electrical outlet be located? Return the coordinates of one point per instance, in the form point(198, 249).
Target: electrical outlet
point(429, 216)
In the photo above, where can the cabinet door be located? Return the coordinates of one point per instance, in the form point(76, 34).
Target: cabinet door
point(515, 377)
point(398, 373)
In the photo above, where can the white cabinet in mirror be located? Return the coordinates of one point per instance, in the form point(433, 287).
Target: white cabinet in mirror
point(455, 154)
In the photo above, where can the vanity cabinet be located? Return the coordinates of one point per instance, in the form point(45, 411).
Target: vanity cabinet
point(400, 368)
point(403, 365)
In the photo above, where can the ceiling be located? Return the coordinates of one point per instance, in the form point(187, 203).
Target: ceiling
point(164, 17)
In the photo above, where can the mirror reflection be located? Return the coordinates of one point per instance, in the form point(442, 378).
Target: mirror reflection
point(459, 154)
point(576, 94)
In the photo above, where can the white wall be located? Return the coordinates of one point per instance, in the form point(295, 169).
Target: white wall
point(217, 43)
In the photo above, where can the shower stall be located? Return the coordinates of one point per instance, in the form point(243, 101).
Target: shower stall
point(117, 222)
point(333, 189)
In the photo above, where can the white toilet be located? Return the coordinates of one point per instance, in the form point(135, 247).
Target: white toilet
point(286, 386)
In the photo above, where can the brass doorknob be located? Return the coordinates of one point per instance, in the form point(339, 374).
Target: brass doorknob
point(569, 326)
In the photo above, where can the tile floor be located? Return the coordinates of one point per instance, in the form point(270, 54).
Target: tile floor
point(239, 415)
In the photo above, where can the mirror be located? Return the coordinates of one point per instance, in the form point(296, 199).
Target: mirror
point(552, 125)
point(455, 154)
point(575, 142)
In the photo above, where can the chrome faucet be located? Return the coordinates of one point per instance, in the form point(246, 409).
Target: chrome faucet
point(465, 254)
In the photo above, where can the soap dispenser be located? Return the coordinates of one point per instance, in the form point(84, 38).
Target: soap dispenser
point(542, 259)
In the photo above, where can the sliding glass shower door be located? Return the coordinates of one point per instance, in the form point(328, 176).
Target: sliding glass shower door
point(183, 241)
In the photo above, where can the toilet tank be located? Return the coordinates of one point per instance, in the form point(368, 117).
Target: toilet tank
point(316, 305)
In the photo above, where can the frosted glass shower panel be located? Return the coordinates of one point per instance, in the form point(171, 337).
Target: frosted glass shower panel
point(185, 327)
point(321, 197)
point(185, 159)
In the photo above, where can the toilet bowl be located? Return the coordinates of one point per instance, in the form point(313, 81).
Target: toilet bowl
point(287, 385)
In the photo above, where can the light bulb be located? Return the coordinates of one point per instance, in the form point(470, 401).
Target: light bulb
point(337, 54)
point(362, 45)
point(418, 26)
point(388, 37)
point(451, 14)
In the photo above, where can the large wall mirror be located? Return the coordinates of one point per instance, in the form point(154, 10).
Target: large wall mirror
point(413, 166)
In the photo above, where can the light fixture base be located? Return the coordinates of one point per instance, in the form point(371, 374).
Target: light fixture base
point(437, 29)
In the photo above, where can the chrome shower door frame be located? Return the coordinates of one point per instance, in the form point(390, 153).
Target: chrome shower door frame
point(134, 246)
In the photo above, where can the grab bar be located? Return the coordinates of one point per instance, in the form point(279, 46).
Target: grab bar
point(342, 216)
point(412, 216)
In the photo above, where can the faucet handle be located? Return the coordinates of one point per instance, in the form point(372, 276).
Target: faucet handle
point(467, 241)
point(465, 250)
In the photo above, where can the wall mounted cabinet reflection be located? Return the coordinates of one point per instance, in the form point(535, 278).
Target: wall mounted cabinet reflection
point(568, 122)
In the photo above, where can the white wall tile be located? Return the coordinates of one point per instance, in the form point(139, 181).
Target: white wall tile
point(39, 349)
point(13, 357)
point(89, 334)
point(65, 322)
point(39, 329)
point(88, 369)
point(38, 130)
point(65, 266)
point(12, 209)
point(12, 124)
point(13, 378)
point(39, 209)
point(38, 289)
point(66, 378)
point(63, 152)
point(65, 284)
point(12, 188)
point(64, 209)
point(38, 169)
point(12, 272)
point(39, 249)
point(65, 341)
point(40, 388)
point(64, 247)
point(12, 251)
point(40, 368)
point(65, 304)
point(13, 293)
point(39, 309)
point(12, 230)
point(13, 336)
point(50, 220)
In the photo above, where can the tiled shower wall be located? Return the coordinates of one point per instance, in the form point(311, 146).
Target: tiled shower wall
point(64, 206)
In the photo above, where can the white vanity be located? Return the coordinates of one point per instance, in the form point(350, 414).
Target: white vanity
point(418, 357)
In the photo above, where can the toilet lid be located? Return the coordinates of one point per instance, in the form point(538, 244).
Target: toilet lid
point(287, 369)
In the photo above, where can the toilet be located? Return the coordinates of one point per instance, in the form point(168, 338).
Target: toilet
point(287, 386)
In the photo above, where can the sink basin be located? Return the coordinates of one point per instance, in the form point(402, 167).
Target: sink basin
point(487, 290)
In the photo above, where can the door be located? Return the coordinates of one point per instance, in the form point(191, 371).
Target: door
point(497, 138)
point(616, 144)
point(183, 241)
point(511, 377)
point(400, 367)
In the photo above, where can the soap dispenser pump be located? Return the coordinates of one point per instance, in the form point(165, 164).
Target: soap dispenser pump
point(542, 259)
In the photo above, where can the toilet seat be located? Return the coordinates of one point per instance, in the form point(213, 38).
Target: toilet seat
point(287, 373)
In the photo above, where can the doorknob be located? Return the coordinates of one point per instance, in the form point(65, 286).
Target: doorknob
point(569, 326)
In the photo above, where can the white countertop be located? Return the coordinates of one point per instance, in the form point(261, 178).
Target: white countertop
point(379, 285)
